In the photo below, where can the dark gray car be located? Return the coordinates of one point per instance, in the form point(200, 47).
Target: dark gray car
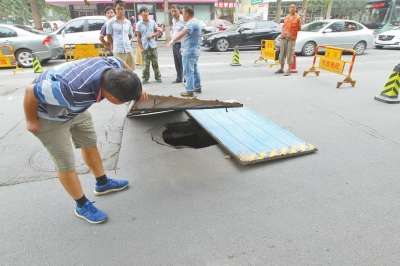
point(28, 42)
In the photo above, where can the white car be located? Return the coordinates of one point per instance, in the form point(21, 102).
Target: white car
point(333, 32)
point(389, 38)
point(81, 30)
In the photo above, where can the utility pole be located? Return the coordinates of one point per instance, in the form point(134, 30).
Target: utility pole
point(37, 18)
point(278, 11)
point(166, 21)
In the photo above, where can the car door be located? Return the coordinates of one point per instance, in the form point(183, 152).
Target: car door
point(333, 35)
point(263, 31)
point(246, 33)
point(352, 34)
point(93, 32)
point(73, 32)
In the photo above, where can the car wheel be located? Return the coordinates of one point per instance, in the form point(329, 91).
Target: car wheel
point(222, 45)
point(360, 48)
point(378, 46)
point(309, 49)
point(24, 57)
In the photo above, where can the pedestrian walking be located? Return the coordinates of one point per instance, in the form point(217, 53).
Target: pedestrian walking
point(190, 52)
point(120, 33)
point(109, 12)
point(146, 30)
point(55, 108)
point(177, 25)
point(291, 26)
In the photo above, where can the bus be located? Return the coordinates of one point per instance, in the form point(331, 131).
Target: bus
point(381, 15)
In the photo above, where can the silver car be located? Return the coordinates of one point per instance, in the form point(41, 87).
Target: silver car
point(333, 32)
point(28, 43)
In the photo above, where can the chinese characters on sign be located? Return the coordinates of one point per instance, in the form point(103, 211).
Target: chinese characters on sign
point(269, 50)
point(225, 5)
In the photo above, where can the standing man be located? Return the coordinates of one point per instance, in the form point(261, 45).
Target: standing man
point(146, 30)
point(119, 33)
point(190, 52)
point(56, 113)
point(291, 26)
point(177, 26)
point(109, 12)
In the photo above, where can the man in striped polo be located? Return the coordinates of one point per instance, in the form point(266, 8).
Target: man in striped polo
point(55, 108)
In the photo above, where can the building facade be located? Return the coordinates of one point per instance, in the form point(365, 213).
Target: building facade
point(204, 9)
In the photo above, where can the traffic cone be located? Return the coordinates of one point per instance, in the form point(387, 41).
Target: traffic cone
point(236, 57)
point(293, 65)
point(390, 93)
point(37, 68)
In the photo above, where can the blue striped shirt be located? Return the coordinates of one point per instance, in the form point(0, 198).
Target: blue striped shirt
point(71, 88)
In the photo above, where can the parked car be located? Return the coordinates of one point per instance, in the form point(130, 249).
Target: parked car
point(389, 38)
point(246, 35)
point(334, 32)
point(28, 42)
point(81, 30)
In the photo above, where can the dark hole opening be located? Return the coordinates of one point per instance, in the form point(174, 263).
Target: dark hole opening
point(187, 134)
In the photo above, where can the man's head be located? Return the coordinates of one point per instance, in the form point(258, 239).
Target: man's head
point(175, 11)
point(144, 12)
point(188, 13)
point(121, 85)
point(120, 9)
point(292, 9)
point(109, 12)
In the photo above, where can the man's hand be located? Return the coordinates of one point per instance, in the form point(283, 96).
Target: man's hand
point(170, 43)
point(144, 97)
point(33, 126)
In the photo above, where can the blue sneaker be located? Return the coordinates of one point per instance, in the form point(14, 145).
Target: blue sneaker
point(90, 213)
point(112, 185)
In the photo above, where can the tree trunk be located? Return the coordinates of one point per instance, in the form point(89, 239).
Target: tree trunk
point(37, 18)
point(329, 9)
point(278, 11)
point(166, 21)
point(303, 14)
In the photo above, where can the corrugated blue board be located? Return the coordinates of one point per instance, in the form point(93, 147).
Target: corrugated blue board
point(249, 137)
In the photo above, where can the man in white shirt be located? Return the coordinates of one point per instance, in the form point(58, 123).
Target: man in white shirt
point(177, 25)
point(119, 33)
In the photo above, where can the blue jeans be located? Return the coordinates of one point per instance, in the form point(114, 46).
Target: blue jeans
point(190, 72)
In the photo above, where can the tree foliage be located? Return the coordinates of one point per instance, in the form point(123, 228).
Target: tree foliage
point(18, 11)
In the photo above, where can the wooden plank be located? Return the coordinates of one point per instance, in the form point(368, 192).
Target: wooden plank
point(249, 137)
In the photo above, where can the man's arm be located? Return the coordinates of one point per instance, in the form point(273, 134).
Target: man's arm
point(30, 109)
point(139, 39)
point(179, 36)
point(109, 33)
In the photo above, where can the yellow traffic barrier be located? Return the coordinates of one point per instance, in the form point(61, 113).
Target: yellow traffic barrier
point(7, 58)
point(83, 50)
point(332, 61)
point(268, 53)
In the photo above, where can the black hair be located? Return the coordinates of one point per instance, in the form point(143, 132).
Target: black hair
point(123, 84)
point(189, 10)
point(143, 9)
point(108, 8)
point(119, 3)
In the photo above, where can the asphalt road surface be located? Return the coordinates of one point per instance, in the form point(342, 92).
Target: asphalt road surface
point(339, 206)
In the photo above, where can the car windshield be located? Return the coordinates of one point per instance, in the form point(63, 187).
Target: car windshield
point(374, 16)
point(26, 28)
point(314, 26)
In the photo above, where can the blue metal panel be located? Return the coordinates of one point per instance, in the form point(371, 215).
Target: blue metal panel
point(249, 137)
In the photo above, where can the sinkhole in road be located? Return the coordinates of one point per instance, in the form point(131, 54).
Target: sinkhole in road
point(187, 134)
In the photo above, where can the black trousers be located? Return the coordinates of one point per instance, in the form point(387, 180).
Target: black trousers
point(176, 49)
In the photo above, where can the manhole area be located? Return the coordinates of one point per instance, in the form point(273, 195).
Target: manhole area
point(187, 134)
